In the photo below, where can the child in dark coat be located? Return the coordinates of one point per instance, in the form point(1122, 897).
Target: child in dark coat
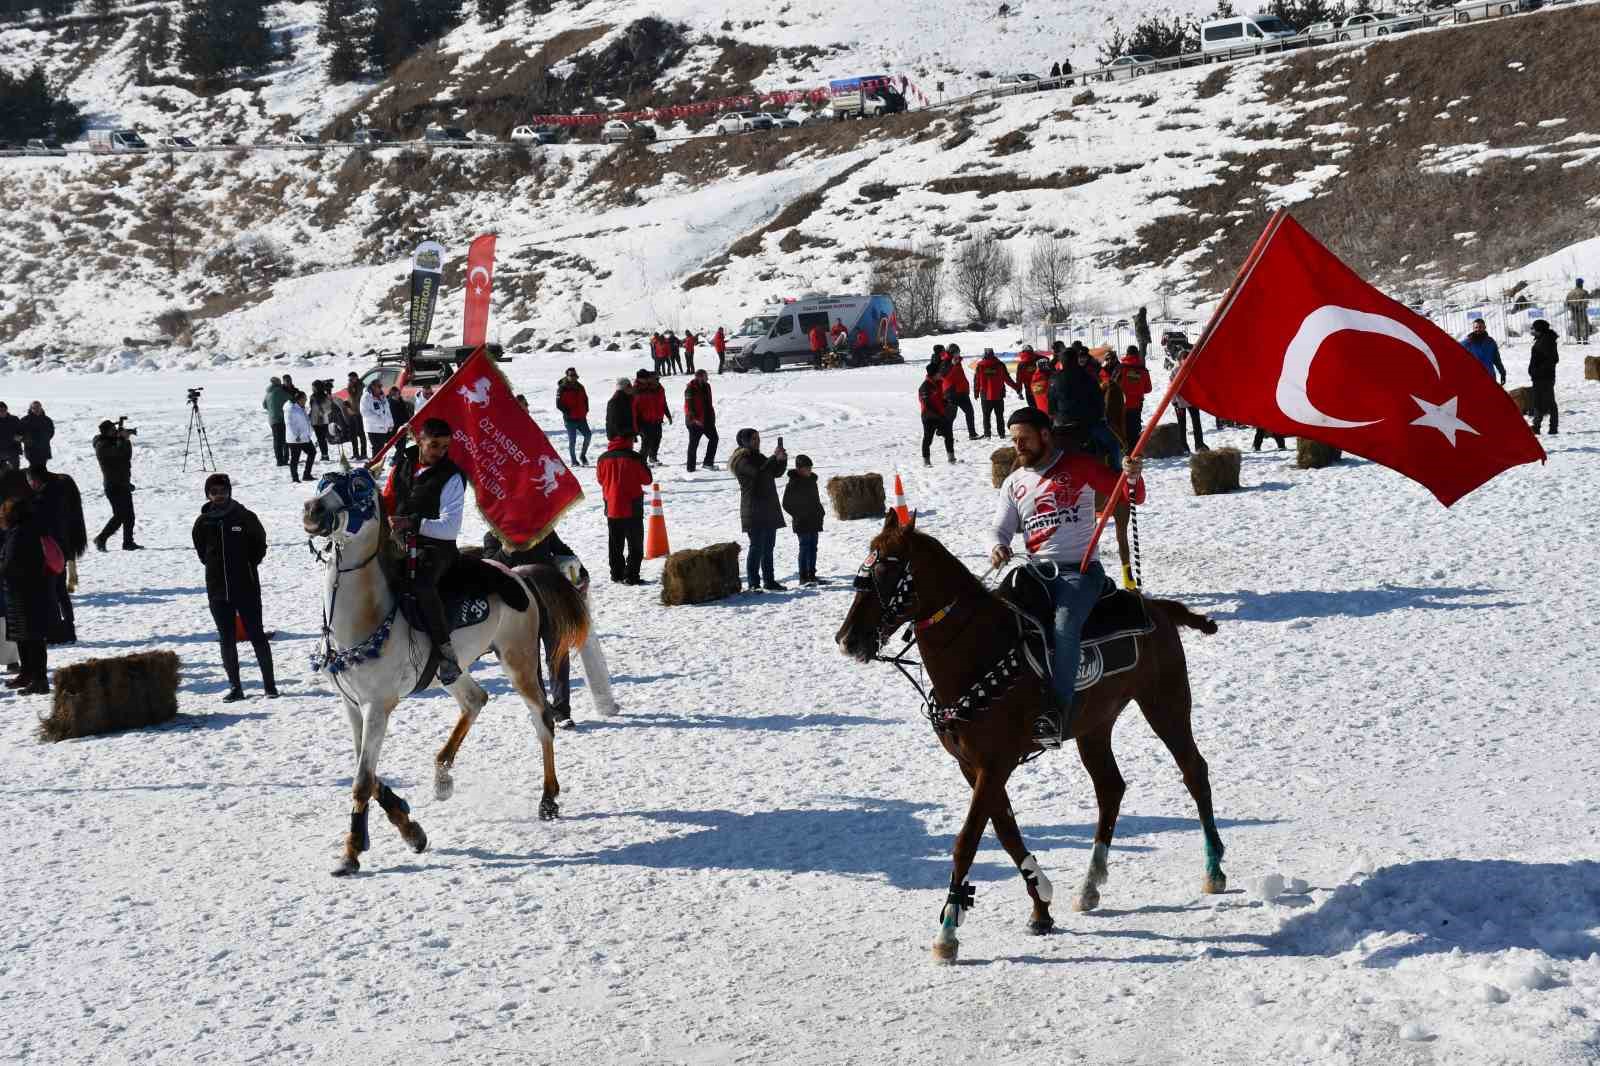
point(804, 506)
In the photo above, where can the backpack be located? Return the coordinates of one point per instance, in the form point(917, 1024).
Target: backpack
point(55, 563)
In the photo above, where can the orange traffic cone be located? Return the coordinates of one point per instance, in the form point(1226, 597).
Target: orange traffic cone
point(655, 527)
point(900, 502)
point(238, 629)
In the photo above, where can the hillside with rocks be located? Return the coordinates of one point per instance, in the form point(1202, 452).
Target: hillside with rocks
point(1431, 161)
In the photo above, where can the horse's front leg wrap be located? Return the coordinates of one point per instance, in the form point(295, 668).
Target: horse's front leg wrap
point(358, 830)
point(391, 801)
point(1037, 881)
point(957, 903)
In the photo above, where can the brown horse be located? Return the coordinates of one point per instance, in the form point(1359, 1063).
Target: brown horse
point(962, 632)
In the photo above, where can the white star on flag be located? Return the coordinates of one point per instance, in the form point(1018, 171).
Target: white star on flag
point(1442, 417)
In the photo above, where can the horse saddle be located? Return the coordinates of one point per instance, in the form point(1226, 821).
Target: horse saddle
point(466, 588)
point(1110, 642)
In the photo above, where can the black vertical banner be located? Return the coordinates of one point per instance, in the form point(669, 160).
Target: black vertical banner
point(427, 269)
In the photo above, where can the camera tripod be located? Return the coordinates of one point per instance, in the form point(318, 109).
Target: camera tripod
point(197, 426)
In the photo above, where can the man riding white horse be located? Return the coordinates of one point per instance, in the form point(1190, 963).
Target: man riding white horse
point(1049, 498)
point(424, 500)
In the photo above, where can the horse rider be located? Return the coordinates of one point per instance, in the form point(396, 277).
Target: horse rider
point(424, 500)
point(1049, 499)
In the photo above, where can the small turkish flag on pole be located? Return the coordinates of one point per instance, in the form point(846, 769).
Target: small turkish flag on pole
point(1301, 346)
point(480, 284)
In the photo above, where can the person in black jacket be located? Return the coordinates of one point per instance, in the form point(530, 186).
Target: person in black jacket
point(37, 429)
point(804, 504)
point(114, 450)
point(60, 509)
point(30, 601)
point(10, 439)
point(760, 513)
point(1542, 369)
point(619, 411)
point(229, 540)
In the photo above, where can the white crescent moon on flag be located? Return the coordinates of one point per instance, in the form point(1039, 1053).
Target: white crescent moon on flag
point(1318, 326)
point(472, 275)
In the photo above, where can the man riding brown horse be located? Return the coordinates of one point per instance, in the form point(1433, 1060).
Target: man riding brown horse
point(1050, 499)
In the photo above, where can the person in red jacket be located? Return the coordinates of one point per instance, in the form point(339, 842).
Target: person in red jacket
point(658, 350)
point(818, 345)
point(837, 335)
point(623, 475)
point(990, 379)
point(719, 341)
point(862, 346)
point(1039, 385)
point(1026, 359)
point(700, 415)
point(572, 400)
point(649, 410)
point(936, 418)
point(959, 394)
point(1134, 381)
point(689, 341)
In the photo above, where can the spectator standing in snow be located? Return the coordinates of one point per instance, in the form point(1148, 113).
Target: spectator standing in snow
point(59, 506)
point(1182, 410)
point(815, 338)
point(700, 415)
point(321, 411)
point(10, 439)
point(936, 420)
point(1066, 68)
point(803, 503)
point(399, 409)
point(689, 341)
point(572, 400)
point(29, 596)
point(231, 543)
point(623, 475)
point(990, 380)
point(649, 411)
point(358, 428)
point(619, 411)
point(1055, 70)
point(1578, 312)
point(339, 419)
point(37, 431)
point(1484, 349)
point(960, 394)
point(376, 416)
point(273, 403)
point(1134, 381)
point(674, 352)
point(113, 448)
point(760, 513)
point(1542, 369)
point(719, 341)
point(1038, 395)
point(297, 433)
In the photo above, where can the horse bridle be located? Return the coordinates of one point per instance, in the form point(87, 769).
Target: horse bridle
point(871, 578)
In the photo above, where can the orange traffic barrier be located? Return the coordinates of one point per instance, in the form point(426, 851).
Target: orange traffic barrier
point(900, 510)
point(655, 528)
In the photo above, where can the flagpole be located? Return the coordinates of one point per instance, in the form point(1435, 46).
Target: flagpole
point(1185, 368)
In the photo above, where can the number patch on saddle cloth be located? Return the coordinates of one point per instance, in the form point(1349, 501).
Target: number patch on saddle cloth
point(468, 612)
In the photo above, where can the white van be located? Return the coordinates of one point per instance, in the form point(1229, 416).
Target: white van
point(1243, 31)
point(780, 335)
point(116, 141)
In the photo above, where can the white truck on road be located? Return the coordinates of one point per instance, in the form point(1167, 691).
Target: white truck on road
point(116, 141)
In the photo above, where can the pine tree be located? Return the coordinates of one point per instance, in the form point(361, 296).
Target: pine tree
point(198, 55)
point(493, 12)
point(158, 45)
point(435, 18)
point(392, 37)
point(339, 34)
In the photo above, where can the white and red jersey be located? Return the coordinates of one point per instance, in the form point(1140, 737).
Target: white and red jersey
point(1053, 506)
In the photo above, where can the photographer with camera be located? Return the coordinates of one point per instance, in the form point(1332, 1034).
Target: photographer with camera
point(113, 448)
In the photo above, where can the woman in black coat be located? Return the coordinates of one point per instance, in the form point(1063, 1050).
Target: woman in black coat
point(30, 595)
point(230, 541)
point(37, 429)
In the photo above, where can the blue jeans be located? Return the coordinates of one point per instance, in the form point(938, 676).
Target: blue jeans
point(1101, 434)
point(1074, 595)
point(758, 564)
point(577, 427)
point(808, 552)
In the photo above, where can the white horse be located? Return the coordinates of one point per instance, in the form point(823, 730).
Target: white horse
point(373, 657)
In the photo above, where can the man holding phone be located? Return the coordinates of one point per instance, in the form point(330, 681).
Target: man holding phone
point(760, 511)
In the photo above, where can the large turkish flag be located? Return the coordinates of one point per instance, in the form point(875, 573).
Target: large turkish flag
point(1302, 346)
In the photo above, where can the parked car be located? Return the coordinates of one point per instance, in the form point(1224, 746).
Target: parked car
point(819, 117)
point(1020, 80)
point(445, 135)
point(617, 131)
point(536, 135)
point(371, 136)
point(40, 146)
point(1378, 24)
point(302, 140)
point(785, 122)
point(1242, 31)
point(741, 122)
point(176, 143)
point(228, 140)
point(1139, 65)
point(1322, 32)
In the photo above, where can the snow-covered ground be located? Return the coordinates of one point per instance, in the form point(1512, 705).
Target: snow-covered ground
point(1398, 711)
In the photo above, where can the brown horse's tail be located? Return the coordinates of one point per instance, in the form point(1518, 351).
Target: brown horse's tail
point(1182, 616)
point(563, 604)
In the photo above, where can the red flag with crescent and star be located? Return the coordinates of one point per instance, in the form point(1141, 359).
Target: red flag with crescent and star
point(480, 284)
point(518, 479)
point(1302, 346)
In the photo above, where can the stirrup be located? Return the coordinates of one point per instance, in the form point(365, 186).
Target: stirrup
point(449, 669)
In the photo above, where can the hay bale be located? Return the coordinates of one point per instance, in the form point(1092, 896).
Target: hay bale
point(109, 695)
point(1314, 455)
point(1215, 471)
point(1001, 462)
point(856, 496)
point(1591, 368)
point(1524, 399)
point(1167, 442)
point(700, 575)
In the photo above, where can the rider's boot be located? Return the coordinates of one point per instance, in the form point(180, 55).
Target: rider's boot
point(1128, 581)
point(449, 667)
